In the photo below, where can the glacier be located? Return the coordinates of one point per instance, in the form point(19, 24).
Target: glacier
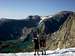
point(57, 52)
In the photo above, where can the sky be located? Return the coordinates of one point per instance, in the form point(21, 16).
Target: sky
point(20, 9)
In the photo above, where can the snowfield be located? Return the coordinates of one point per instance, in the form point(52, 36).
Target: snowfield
point(62, 52)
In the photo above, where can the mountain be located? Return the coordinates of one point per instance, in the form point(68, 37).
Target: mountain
point(60, 30)
point(11, 29)
point(53, 23)
point(15, 35)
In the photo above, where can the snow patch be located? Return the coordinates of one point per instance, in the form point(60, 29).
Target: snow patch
point(62, 52)
point(44, 17)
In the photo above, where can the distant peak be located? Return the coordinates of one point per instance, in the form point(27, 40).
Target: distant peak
point(66, 12)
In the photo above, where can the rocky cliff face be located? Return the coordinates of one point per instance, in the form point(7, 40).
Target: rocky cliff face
point(63, 35)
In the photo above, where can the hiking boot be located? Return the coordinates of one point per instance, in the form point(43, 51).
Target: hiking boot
point(42, 53)
point(45, 53)
point(35, 54)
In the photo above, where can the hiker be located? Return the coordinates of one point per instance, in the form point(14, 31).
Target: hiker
point(36, 42)
point(43, 43)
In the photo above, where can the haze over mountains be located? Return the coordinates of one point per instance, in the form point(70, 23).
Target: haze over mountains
point(15, 35)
